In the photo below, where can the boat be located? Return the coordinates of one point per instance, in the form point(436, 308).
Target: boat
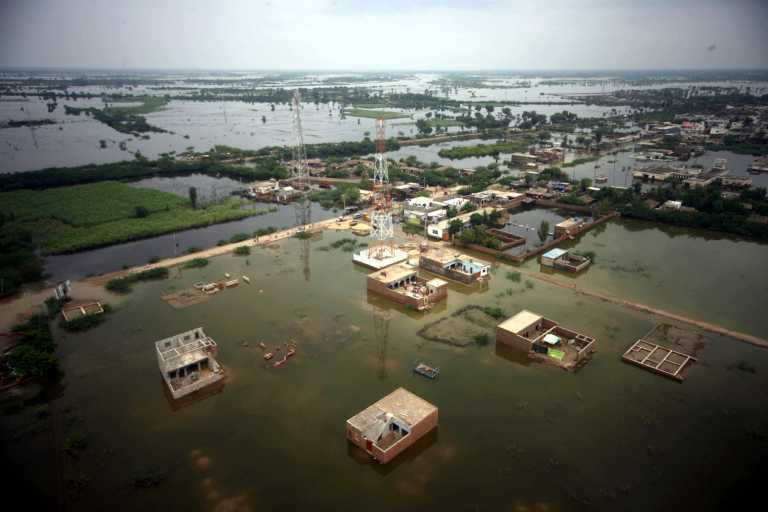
point(426, 371)
point(232, 282)
point(247, 279)
point(602, 178)
point(226, 274)
point(262, 345)
point(281, 362)
point(290, 352)
point(268, 356)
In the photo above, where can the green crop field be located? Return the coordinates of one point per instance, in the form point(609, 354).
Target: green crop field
point(69, 219)
point(514, 146)
point(86, 205)
point(374, 114)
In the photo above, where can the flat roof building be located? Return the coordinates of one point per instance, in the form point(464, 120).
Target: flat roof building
point(386, 428)
point(454, 265)
point(187, 362)
point(565, 260)
point(543, 339)
point(401, 283)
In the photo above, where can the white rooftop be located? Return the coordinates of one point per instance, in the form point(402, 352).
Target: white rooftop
point(520, 321)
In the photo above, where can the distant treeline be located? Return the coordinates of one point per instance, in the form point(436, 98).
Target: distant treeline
point(261, 169)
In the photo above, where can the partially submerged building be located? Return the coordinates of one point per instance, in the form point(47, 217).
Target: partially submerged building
point(401, 283)
point(545, 340)
point(187, 362)
point(454, 265)
point(568, 226)
point(388, 427)
point(563, 259)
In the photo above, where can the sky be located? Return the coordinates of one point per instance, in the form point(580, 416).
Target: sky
point(369, 35)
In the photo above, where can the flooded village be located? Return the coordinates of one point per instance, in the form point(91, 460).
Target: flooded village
point(525, 291)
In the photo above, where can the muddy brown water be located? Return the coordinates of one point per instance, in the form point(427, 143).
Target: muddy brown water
point(512, 435)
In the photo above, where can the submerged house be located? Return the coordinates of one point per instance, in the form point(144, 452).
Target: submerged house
point(564, 260)
point(401, 283)
point(455, 266)
point(187, 362)
point(386, 428)
point(545, 340)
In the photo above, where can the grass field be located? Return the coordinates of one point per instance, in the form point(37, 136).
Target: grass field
point(442, 123)
point(86, 205)
point(148, 105)
point(484, 149)
point(374, 114)
point(70, 219)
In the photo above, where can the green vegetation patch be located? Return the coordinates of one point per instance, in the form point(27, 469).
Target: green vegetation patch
point(374, 114)
point(70, 219)
point(515, 146)
point(125, 284)
point(197, 263)
point(87, 205)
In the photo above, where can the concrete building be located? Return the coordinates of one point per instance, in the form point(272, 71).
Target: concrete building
point(401, 283)
point(544, 339)
point(567, 226)
point(439, 230)
point(388, 427)
point(187, 362)
point(564, 260)
point(454, 266)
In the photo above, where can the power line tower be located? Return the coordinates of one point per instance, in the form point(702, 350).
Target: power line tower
point(301, 182)
point(381, 217)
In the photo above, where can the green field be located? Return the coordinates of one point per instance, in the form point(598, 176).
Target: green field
point(374, 114)
point(86, 205)
point(442, 123)
point(484, 149)
point(70, 219)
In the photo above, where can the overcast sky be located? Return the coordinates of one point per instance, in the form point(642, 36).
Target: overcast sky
point(391, 35)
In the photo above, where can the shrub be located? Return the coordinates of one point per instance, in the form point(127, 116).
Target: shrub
point(514, 276)
point(242, 251)
point(495, 312)
point(196, 263)
point(482, 339)
point(238, 237)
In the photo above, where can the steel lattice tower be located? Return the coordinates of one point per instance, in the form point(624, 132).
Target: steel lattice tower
point(301, 182)
point(300, 172)
point(381, 217)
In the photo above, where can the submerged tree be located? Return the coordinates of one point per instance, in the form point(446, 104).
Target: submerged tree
point(543, 230)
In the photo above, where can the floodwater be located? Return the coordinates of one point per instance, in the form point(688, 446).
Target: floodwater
point(512, 436)
point(108, 259)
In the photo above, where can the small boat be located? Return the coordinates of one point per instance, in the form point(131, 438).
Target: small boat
point(290, 352)
point(226, 274)
point(426, 371)
point(268, 356)
point(601, 178)
point(280, 362)
point(247, 279)
point(262, 345)
point(232, 282)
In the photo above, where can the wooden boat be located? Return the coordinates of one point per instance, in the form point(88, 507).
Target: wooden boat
point(426, 371)
point(268, 356)
point(247, 279)
point(290, 352)
point(232, 282)
point(280, 362)
point(262, 345)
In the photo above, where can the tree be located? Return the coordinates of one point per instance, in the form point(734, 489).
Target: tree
point(543, 230)
point(140, 212)
point(193, 197)
point(455, 227)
